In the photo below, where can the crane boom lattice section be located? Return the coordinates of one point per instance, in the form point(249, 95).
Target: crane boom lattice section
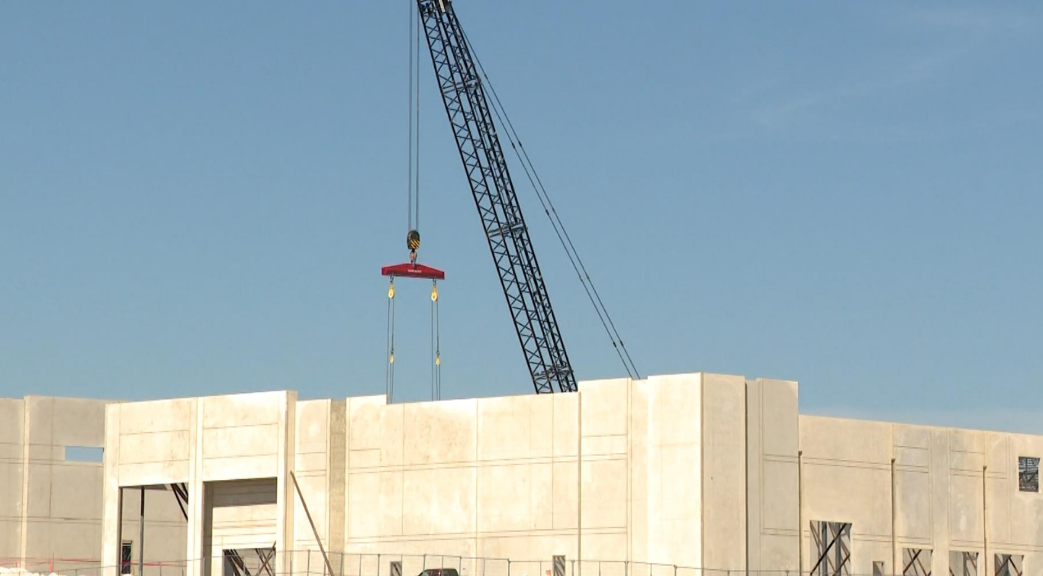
point(494, 195)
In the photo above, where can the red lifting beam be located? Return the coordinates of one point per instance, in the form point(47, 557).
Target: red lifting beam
point(413, 271)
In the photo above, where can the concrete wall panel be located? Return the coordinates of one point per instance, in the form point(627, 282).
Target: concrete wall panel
point(912, 505)
point(150, 447)
point(41, 420)
point(11, 489)
point(241, 410)
point(839, 439)
point(442, 432)
point(12, 415)
point(604, 407)
point(912, 457)
point(505, 498)
point(779, 413)
point(779, 506)
point(965, 507)
point(1002, 516)
point(75, 491)
point(78, 422)
point(240, 441)
point(846, 493)
point(673, 455)
point(1024, 509)
point(38, 490)
point(724, 471)
point(375, 503)
point(151, 473)
point(314, 489)
point(439, 501)
point(514, 428)
point(604, 494)
point(235, 468)
point(566, 424)
point(565, 486)
point(156, 416)
point(605, 546)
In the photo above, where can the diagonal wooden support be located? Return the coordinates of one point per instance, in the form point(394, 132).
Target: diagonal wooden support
point(313, 530)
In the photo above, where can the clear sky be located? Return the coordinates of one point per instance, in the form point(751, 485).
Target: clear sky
point(196, 198)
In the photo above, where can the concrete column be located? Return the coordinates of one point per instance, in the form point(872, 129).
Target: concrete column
point(724, 488)
point(336, 479)
point(284, 538)
point(27, 410)
point(197, 546)
point(112, 497)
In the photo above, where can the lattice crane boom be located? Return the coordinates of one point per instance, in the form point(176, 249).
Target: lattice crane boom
point(470, 118)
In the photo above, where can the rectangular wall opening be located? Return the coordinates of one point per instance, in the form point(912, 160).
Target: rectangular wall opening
point(84, 454)
point(963, 563)
point(917, 561)
point(248, 562)
point(241, 525)
point(126, 556)
point(831, 548)
point(1009, 564)
point(1028, 474)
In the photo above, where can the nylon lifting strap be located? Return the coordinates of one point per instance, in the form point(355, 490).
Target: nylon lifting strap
point(436, 346)
point(389, 370)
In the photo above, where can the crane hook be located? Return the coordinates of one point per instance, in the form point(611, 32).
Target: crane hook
point(413, 243)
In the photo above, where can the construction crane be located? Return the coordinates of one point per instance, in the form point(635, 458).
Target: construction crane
point(470, 117)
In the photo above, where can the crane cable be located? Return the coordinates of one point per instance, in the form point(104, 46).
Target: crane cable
point(413, 221)
point(412, 210)
point(413, 113)
point(555, 220)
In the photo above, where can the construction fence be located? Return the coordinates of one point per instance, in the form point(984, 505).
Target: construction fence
point(261, 562)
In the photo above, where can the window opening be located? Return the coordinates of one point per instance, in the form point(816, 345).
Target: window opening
point(126, 557)
point(832, 541)
point(963, 563)
point(1028, 474)
point(1010, 564)
point(916, 562)
point(84, 454)
point(249, 562)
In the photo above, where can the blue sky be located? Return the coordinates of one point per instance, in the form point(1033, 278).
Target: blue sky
point(196, 198)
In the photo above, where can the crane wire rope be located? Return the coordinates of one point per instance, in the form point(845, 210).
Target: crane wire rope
point(413, 187)
point(409, 114)
point(559, 227)
point(413, 220)
point(417, 111)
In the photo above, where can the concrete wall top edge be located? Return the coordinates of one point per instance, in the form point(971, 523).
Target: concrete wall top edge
point(818, 418)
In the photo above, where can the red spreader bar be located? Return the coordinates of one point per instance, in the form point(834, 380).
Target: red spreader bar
point(413, 271)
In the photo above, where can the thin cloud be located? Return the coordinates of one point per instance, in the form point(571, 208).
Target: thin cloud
point(825, 110)
point(977, 20)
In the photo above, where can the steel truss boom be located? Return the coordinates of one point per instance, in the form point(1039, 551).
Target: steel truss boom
point(469, 115)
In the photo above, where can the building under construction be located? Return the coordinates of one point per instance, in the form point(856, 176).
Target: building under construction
point(687, 472)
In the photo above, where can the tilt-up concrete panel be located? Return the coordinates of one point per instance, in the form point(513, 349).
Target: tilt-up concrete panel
point(12, 449)
point(212, 445)
point(773, 475)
